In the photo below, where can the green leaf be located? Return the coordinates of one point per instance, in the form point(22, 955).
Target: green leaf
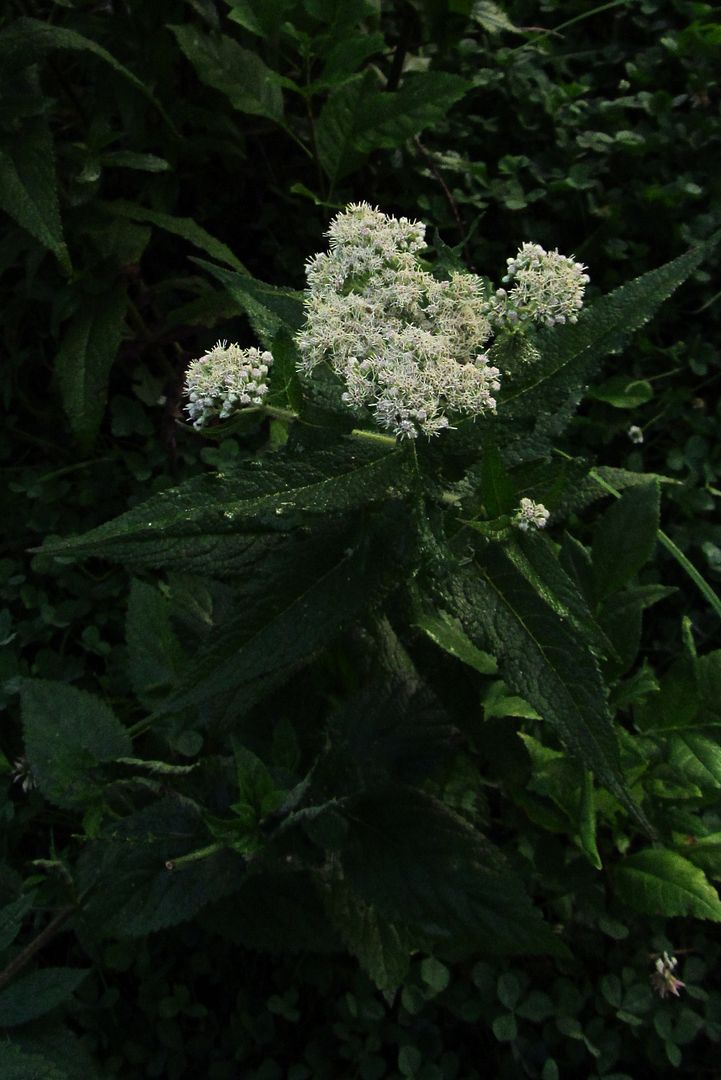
point(16, 1064)
point(698, 758)
point(25, 41)
point(11, 918)
point(422, 101)
point(186, 228)
point(541, 658)
point(128, 159)
point(67, 733)
point(133, 892)
point(448, 634)
point(435, 974)
point(624, 538)
point(283, 622)
point(661, 882)
point(417, 862)
point(261, 17)
point(269, 308)
point(29, 186)
point(39, 993)
point(341, 120)
point(497, 487)
point(210, 523)
point(87, 353)
point(154, 654)
point(587, 821)
point(546, 391)
point(221, 63)
point(623, 392)
point(380, 946)
point(492, 18)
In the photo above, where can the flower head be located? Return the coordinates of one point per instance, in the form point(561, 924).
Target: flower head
point(531, 514)
point(543, 287)
point(663, 979)
point(225, 379)
point(407, 345)
point(635, 433)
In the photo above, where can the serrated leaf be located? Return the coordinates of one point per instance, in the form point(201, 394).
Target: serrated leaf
point(222, 517)
point(269, 308)
point(547, 391)
point(381, 947)
point(186, 228)
point(661, 882)
point(223, 64)
point(497, 487)
point(624, 538)
point(423, 99)
point(492, 18)
point(261, 17)
point(417, 862)
point(87, 352)
point(540, 657)
point(11, 918)
point(154, 653)
point(339, 124)
point(39, 993)
point(129, 159)
point(67, 733)
point(29, 186)
point(133, 891)
point(448, 634)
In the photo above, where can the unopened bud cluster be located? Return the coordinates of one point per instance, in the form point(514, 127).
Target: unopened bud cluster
point(542, 287)
point(225, 379)
point(531, 514)
point(406, 344)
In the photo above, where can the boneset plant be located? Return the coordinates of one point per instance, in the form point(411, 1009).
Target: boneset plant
point(380, 643)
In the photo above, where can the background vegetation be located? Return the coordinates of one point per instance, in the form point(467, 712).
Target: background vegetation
point(141, 142)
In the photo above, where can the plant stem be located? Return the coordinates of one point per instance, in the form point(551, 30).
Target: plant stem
point(194, 856)
point(36, 945)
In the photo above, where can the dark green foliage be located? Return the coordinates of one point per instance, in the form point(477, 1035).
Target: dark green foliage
point(313, 764)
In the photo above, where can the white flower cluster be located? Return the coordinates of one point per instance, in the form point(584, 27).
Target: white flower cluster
point(407, 344)
point(225, 379)
point(529, 514)
point(543, 287)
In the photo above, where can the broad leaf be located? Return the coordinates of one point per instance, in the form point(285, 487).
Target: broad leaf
point(448, 634)
point(422, 100)
point(341, 121)
point(87, 353)
point(661, 882)
point(135, 888)
point(33, 995)
point(269, 308)
point(220, 62)
point(698, 758)
point(18, 1064)
point(219, 519)
point(381, 947)
point(418, 863)
point(67, 733)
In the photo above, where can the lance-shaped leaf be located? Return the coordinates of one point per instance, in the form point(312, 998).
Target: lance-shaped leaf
point(223, 516)
point(541, 657)
point(624, 538)
point(29, 187)
point(269, 308)
point(547, 389)
point(87, 353)
point(186, 228)
point(418, 863)
point(26, 40)
point(288, 615)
